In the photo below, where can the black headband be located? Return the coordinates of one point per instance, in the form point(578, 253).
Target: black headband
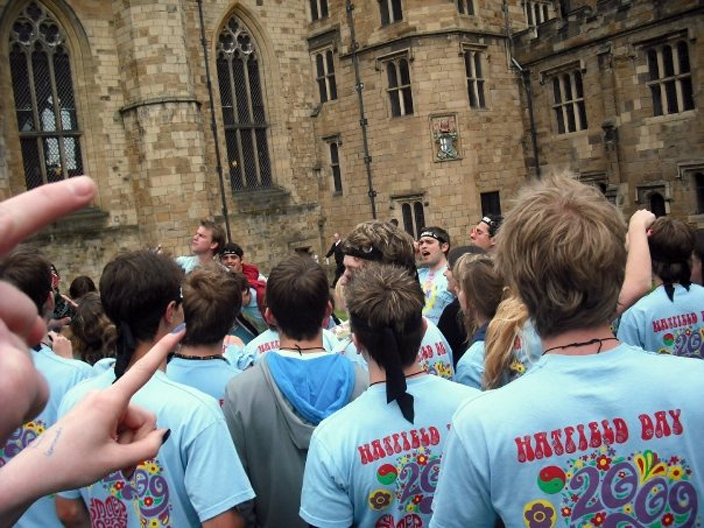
point(493, 225)
point(365, 253)
point(433, 234)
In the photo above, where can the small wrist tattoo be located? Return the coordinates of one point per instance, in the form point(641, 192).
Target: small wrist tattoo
point(50, 451)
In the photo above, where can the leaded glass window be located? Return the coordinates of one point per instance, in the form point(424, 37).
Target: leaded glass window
point(399, 87)
point(45, 103)
point(569, 108)
point(243, 111)
point(670, 78)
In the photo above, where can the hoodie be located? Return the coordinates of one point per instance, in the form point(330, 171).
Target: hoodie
point(272, 410)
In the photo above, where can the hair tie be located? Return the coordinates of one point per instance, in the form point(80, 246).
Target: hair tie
point(395, 378)
point(126, 346)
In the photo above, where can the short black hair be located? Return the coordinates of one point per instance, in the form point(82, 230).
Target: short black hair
point(493, 222)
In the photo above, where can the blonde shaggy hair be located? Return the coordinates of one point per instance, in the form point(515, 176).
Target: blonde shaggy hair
point(501, 334)
point(562, 250)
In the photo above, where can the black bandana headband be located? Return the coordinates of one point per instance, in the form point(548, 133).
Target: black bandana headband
point(365, 253)
point(432, 234)
point(396, 387)
point(493, 225)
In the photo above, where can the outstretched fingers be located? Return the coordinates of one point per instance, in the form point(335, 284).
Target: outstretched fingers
point(27, 213)
point(142, 370)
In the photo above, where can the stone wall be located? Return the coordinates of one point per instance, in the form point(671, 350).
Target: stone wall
point(627, 145)
point(139, 76)
point(402, 148)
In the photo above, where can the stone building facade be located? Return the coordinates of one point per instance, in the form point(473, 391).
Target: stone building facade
point(326, 113)
point(633, 71)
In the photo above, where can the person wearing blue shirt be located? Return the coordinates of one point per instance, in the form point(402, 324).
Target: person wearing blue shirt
point(28, 269)
point(480, 292)
point(597, 432)
point(434, 353)
point(205, 244)
point(375, 462)
point(433, 245)
point(669, 319)
point(196, 478)
point(211, 301)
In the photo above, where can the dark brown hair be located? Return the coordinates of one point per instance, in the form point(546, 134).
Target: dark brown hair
point(212, 299)
point(93, 335)
point(136, 288)
point(671, 243)
point(297, 293)
point(382, 296)
point(29, 270)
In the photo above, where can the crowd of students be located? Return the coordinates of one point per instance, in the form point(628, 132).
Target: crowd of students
point(545, 375)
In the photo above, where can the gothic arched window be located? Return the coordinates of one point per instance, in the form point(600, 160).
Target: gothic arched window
point(45, 104)
point(243, 108)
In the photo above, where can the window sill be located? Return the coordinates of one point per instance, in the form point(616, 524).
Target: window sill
point(87, 220)
point(567, 135)
point(681, 116)
point(261, 200)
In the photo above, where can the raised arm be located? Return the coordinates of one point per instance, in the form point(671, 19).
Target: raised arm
point(638, 280)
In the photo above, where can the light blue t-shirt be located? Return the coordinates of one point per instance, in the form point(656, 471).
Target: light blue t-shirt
point(188, 264)
point(434, 354)
point(660, 325)
point(437, 296)
point(207, 375)
point(609, 439)
point(237, 357)
point(470, 367)
point(61, 374)
point(269, 340)
point(102, 365)
point(527, 350)
point(368, 466)
point(196, 476)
